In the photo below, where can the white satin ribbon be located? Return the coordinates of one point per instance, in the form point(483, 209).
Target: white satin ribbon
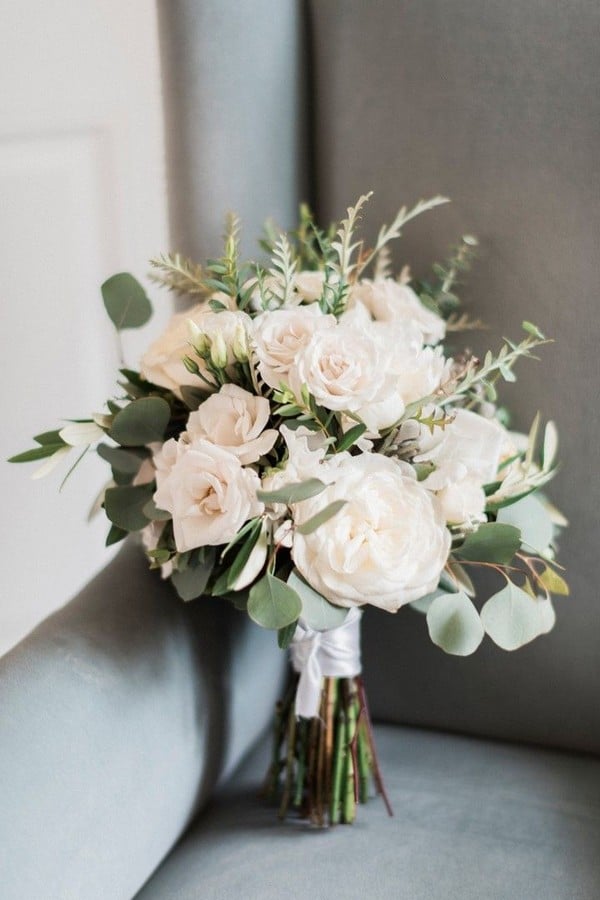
point(318, 654)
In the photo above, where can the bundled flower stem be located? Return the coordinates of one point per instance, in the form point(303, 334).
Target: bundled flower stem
point(322, 767)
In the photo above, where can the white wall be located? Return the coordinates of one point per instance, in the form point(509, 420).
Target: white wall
point(82, 195)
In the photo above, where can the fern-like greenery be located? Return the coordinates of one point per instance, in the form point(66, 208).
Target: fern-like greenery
point(178, 273)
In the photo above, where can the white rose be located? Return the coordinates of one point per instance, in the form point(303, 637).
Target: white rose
point(420, 370)
point(162, 362)
point(388, 300)
point(309, 285)
point(279, 335)
point(235, 420)
point(462, 501)
point(386, 547)
point(343, 368)
point(466, 454)
point(207, 491)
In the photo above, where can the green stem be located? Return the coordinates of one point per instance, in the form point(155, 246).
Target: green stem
point(338, 766)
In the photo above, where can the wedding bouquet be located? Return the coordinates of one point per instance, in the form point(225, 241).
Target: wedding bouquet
point(302, 443)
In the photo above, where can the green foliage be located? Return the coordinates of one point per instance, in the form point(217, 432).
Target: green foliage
point(530, 516)
point(492, 542)
point(439, 294)
point(125, 505)
point(513, 618)
point(141, 422)
point(191, 580)
point(273, 604)
point(350, 437)
point(125, 461)
point(293, 493)
point(454, 624)
point(317, 612)
point(126, 302)
point(179, 274)
point(331, 510)
point(37, 453)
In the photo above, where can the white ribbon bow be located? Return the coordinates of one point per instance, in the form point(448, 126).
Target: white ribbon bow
point(315, 654)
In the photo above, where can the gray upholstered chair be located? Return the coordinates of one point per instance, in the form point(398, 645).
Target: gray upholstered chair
point(125, 710)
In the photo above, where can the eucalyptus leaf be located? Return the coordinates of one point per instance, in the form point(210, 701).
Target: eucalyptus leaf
point(125, 301)
point(154, 513)
point(532, 519)
point(141, 422)
point(115, 534)
point(350, 437)
point(423, 603)
point(125, 506)
point(191, 582)
point(454, 624)
point(317, 612)
point(512, 618)
point(493, 542)
point(286, 635)
point(331, 510)
point(273, 603)
point(293, 493)
point(126, 461)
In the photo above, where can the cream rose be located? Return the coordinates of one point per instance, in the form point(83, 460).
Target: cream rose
point(342, 367)
point(207, 491)
point(235, 420)
point(466, 455)
point(279, 336)
point(162, 363)
point(386, 547)
point(388, 300)
point(309, 285)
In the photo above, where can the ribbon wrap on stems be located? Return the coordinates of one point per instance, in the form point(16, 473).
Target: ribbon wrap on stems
point(318, 654)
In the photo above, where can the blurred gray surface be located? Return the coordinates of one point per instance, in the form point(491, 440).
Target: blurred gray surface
point(118, 714)
point(473, 820)
point(495, 105)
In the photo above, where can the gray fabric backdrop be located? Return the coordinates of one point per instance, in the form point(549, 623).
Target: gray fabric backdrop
point(497, 106)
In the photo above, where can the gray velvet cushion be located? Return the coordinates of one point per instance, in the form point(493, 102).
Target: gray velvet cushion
point(473, 820)
point(496, 105)
point(118, 714)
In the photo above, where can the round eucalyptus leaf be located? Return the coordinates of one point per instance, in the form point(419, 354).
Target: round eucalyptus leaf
point(454, 624)
point(530, 516)
point(512, 618)
point(273, 604)
point(126, 301)
point(141, 422)
point(317, 612)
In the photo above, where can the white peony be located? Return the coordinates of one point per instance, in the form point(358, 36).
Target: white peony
point(235, 420)
point(162, 363)
point(386, 547)
point(279, 336)
point(207, 491)
point(388, 300)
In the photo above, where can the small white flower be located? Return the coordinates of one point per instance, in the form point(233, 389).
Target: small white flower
point(466, 454)
point(162, 363)
point(235, 420)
